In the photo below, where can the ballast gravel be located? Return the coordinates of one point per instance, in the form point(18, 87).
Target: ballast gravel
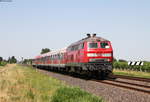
point(133, 81)
point(108, 92)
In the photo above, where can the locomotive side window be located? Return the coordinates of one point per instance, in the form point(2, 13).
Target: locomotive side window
point(75, 47)
point(72, 48)
point(69, 48)
point(81, 46)
point(93, 45)
point(104, 45)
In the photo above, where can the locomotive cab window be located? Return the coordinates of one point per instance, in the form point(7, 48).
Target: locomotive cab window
point(81, 46)
point(93, 45)
point(104, 45)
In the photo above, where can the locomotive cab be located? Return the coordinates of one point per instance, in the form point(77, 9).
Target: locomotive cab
point(100, 51)
point(98, 56)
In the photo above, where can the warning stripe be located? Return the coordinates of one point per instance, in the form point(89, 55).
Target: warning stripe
point(137, 63)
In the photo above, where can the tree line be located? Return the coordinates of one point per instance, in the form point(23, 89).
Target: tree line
point(10, 60)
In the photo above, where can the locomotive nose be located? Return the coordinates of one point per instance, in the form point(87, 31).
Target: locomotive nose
point(99, 57)
point(99, 51)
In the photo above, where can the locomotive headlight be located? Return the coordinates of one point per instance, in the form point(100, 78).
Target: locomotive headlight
point(91, 54)
point(106, 55)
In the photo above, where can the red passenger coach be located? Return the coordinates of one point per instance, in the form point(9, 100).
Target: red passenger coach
point(53, 58)
point(92, 55)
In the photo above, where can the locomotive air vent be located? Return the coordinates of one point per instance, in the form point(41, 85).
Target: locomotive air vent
point(94, 35)
point(88, 35)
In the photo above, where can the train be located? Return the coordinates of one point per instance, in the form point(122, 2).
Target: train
point(91, 55)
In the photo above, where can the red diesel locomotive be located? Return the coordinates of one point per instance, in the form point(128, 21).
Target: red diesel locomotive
point(92, 55)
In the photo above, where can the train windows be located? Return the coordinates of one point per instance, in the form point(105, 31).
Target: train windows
point(59, 57)
point(76, 47)
point(72, 48)
point(51, 57)
point(104, 45)
point(47, 58)
point(55, 57)
point(62, 55)
point(93, 45)
point(44, 59)
point(81, 46)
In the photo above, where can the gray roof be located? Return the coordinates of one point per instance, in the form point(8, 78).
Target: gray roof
point(89, 39)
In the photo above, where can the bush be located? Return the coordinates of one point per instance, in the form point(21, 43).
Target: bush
point(124, 65)
point(2, 63)
point(66, 94)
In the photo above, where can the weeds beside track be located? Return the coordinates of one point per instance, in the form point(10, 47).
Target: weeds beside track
point(25, 84)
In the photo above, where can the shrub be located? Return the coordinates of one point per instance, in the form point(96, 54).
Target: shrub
point(67, 94)
point(124, 65)
point(2, 63)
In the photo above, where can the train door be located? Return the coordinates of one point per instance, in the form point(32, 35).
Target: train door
point(81, 53)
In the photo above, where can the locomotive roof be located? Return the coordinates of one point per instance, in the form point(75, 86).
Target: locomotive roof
point(89, 39)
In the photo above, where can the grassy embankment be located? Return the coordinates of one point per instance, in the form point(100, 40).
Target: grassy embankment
point(131, 73)
point(122, 68)
point(24, 84)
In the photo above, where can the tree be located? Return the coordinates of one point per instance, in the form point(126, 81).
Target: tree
point(27, 61)
point(12, 59)
point(45, 50)
point(8, 60)
point(1, 59)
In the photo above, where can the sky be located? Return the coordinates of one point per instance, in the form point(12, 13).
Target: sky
point(27, 26)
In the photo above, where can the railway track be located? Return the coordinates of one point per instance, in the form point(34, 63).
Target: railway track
point(132, 78)
point(127, 85)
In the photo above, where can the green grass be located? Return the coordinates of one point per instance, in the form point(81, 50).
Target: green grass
point(68, 94)
point(2, 63)
point(132, 73)
point(24, 84)
point(125, 66)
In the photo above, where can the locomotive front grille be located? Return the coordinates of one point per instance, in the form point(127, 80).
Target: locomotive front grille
point(99, 66)
point(99, 60)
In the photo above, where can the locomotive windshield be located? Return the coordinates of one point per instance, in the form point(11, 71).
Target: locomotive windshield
point(104, 45)
point(93, 45)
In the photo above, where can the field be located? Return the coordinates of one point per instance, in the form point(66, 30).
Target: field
point(122, 68)
point(131, 73)
point(24, 84)
point(125, 66)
